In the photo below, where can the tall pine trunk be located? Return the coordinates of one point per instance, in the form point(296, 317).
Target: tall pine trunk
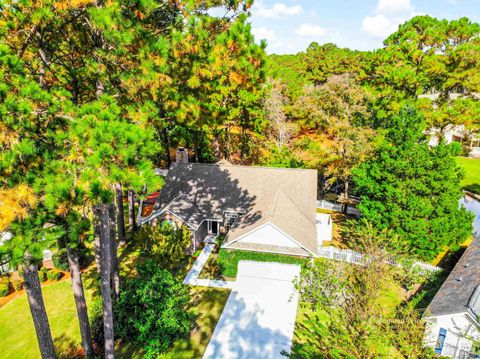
point(105, 220)
point(80, 302)
point(120, 214)
point(115, 275)
point(132, 223)
point(37, 308)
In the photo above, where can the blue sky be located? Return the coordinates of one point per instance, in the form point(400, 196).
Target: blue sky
point(290, 25)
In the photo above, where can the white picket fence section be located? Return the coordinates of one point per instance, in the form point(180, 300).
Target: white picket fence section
point(350, 256)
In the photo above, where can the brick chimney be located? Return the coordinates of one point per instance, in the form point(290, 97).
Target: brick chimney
point(181, 155)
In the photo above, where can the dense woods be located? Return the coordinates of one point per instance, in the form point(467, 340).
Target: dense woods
point(95, 95)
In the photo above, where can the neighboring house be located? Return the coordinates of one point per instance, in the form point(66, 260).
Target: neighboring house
point(453, 325)
point(458, 133)
point(5, 262)
point(257, 208)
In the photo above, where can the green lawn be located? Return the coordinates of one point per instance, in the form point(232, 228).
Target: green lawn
point(17, 334)
point(471, 166)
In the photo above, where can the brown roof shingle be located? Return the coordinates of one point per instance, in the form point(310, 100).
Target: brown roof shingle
point(456, 292)
point(284, 197)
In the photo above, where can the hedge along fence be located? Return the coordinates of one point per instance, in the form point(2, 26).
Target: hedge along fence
point(228, 259)
point(350, 256)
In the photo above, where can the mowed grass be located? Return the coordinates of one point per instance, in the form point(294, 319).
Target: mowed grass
point(17, 333)
point(471, 166)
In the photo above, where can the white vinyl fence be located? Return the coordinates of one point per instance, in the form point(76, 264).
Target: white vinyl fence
point(350, 256)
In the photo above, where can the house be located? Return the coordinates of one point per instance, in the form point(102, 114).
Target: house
point(453, 325)
point(456, 133)
point(257, 208)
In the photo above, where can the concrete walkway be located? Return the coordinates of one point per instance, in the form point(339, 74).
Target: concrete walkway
point(192, 276)
point(259, 317)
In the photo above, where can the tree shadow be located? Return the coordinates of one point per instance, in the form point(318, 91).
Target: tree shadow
point(206, 191)
point(65, 347)
point(240, 334)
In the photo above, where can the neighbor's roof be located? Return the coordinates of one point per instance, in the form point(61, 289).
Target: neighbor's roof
point(283, 196)
point(459, 293)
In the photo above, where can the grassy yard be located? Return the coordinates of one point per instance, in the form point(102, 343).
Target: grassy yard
point(17, 334)
point(471, 166)
point(225, 263)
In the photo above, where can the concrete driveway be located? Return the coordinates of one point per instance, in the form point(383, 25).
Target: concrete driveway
point(259, 317)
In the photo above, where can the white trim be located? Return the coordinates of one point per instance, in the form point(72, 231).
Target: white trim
point(455, 315)
point(278, 229)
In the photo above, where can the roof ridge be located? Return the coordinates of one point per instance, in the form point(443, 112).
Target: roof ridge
point(245, 166)
point(274, 206)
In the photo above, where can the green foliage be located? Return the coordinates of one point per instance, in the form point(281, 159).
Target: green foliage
point(352, 311)
point(17, 284)
point(281, 157)
point(60, 259)
point(95, 316)
point(164, 243)
point(414, 190)
point(54, 274)
point(4, 286)
point(228, 259)
point(430, 287)
point(153, 311)
point(42, 276)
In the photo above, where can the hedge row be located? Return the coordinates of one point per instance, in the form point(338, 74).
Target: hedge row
point(17, 284)
point(228, 260)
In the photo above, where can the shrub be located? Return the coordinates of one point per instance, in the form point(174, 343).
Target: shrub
point(54, 274)
point(152, 310)
point(95, 314)
point(229, 259)
point(166, 244)
point(17, 284)
point(4, 286)
point(41, 276)
point(60, 259)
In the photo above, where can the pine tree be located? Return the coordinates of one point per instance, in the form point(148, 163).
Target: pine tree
point(414, 189)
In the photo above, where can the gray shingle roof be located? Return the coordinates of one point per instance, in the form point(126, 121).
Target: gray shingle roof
point(457, 293)
point(285, 197)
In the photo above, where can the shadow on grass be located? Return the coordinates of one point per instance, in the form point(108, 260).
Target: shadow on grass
point(475, 188)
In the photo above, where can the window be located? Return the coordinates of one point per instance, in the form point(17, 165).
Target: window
point(440, 341)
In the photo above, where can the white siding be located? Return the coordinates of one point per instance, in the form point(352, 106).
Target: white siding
point(324, 227)
point(268, 235)
point(458, 326)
